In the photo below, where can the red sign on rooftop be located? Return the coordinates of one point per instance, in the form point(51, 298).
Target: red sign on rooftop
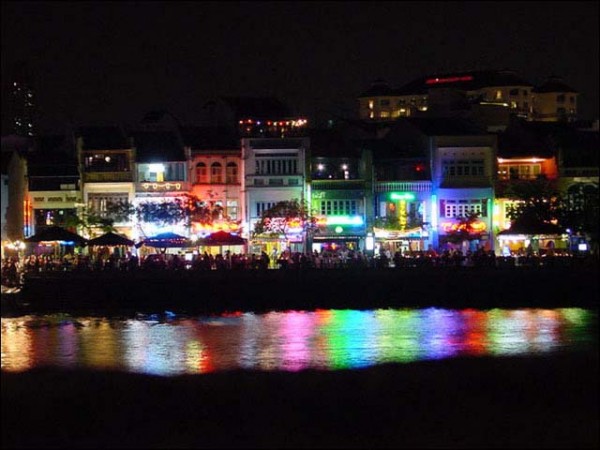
point(449, 79)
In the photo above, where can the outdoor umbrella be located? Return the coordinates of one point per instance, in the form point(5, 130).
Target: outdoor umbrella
point(166, 240)
point(222, 238)
point(55, 233)
point(110, 239)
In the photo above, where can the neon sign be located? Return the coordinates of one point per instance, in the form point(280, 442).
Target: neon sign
point(341, 220)
point(449, 79)
point(475, 227)
point(162, 186)
point(402, 196)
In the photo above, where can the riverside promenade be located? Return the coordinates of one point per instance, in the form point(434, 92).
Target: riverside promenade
point(213, 292)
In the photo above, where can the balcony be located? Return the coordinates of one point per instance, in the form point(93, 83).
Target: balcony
point(324, 185)
point(403, 186)
point(107, 177)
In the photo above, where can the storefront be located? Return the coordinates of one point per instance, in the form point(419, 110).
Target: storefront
point(404, 241)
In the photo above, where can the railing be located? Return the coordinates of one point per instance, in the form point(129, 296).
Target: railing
point(337, 184)
point(105, 177)
point(403, 186)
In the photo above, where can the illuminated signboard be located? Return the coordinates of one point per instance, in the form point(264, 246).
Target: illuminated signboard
point(449, 79)
point(475, 227)
point(343, 220)
point(402, 196)
point(162, 186)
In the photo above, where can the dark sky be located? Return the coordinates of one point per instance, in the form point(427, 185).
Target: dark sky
point(114, 61)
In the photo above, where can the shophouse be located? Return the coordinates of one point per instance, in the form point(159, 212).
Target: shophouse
point(106, 166)
point(463, 163)
point(216, 177)
point(527, 162)
point(275, 170)
point(161, 176)
point(54, 193)
point(341, 192)
point(15, 151)
point(402, 190)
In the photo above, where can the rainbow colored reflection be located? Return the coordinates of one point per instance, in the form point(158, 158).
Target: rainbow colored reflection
point(291, 340)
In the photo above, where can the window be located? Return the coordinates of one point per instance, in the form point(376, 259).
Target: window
point(338, 207)
point(384, 102)
point(463, 168)
point(231, 173)
point(100, 203)
point(232, 209)
point(514, 92)
point(261, 207)
point(560, 98)
point(201, 173)
point(463, 208)
point(572, 100)
point(498, 95)
point(216, 175)
point(525, 93)
point(519, 171)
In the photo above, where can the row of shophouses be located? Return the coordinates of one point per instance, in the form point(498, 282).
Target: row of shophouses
point(401, 185)
point(383, 181)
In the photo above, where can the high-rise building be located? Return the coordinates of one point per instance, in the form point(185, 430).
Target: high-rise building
point(20, 117)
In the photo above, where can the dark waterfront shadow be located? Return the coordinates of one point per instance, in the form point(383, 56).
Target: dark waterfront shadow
point(539, 402)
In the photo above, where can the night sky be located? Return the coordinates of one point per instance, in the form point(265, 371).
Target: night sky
point(115, 61)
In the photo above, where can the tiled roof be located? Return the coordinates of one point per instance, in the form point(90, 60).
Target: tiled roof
point(103, 138)
point(209, 138)
point(512, 144)
point(379, 88)
point(157, 146)
point(331, 143)
point(553, 84)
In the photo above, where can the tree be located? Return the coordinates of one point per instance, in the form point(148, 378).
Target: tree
point(536, 202)
point(91, 221)
point(283, 217)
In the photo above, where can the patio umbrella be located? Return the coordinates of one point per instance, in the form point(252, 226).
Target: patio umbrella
point(110, 239)
point(166, 240)
point(222, 238)
point(55, 233)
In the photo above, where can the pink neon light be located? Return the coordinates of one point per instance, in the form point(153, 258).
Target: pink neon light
point(449, 79)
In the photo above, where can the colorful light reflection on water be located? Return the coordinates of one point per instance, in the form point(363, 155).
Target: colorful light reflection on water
point(289, 341)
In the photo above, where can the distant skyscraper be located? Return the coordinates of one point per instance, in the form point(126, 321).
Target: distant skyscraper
point(21, 101)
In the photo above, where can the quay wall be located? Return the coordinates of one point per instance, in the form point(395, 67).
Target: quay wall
point(188, 292)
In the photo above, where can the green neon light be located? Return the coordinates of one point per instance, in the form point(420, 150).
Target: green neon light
point(402, 196)
point(344, 220)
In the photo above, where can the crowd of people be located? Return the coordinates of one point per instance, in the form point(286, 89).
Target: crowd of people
point(14, 268)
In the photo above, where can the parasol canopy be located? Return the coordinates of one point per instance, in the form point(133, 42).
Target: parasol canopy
point(110, 239)
point(56, 233)
point(222, 238)
point(166, 240)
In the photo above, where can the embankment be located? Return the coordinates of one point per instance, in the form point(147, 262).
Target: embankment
point(189, 292)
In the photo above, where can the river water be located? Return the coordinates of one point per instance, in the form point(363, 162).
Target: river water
point(289, 341)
